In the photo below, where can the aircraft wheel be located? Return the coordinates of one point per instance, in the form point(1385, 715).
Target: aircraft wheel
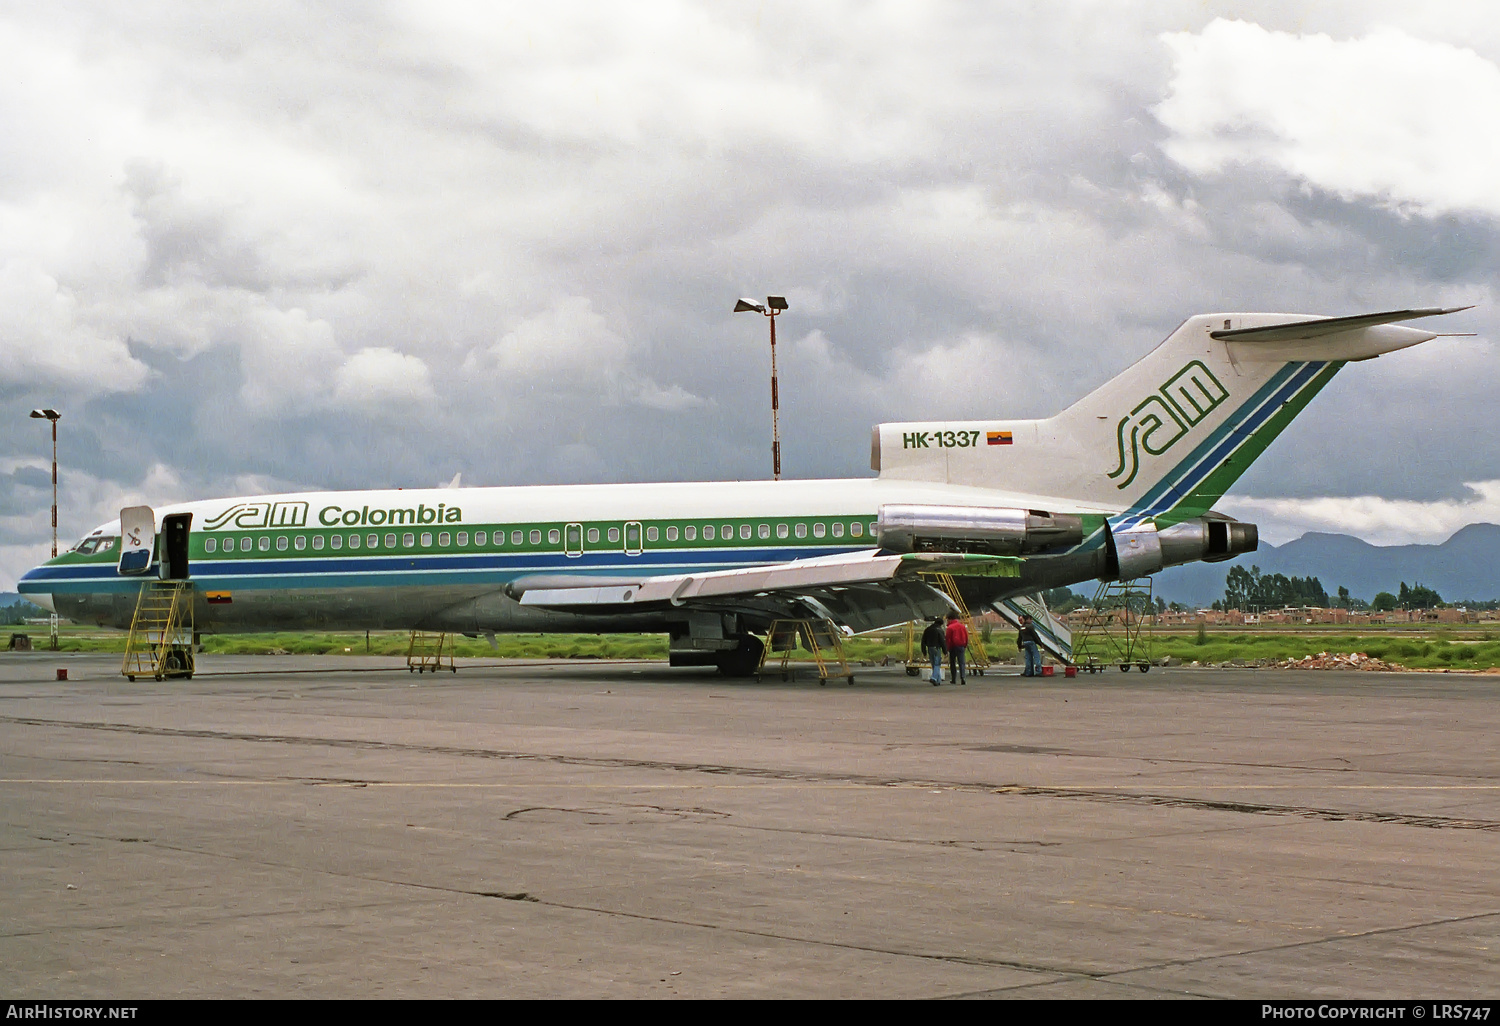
point(1143, 667)
point(742, 661)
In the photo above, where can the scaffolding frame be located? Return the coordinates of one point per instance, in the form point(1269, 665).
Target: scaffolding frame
point(1126, 640)
point(160, 643)
point(783, 636)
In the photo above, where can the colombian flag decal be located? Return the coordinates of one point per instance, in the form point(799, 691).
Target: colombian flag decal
point(998, 437)
point(219, 598)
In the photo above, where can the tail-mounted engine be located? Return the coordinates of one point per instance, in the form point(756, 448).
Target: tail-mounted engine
point(1144, 550)
point(982, 529)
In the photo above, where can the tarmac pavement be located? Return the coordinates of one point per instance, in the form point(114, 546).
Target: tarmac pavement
point(335, 827)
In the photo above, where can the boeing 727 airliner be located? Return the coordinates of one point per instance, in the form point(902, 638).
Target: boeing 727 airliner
point(1117, 486)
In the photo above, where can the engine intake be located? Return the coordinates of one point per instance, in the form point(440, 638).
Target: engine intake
point(1000, 532)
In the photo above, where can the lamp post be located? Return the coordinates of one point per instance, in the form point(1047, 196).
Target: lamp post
point(54, 417)
point(773, 306)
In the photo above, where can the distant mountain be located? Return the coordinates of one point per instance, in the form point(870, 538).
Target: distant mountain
point(1466, 566)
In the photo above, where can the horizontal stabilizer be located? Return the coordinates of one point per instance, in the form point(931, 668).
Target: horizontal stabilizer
point(1299, 330)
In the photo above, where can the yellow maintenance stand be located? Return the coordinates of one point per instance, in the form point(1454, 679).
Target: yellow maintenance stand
point(160, 644)
point(427, 651)
point(820, 637)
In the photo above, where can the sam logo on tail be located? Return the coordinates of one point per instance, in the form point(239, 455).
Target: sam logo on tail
point(1165, 417)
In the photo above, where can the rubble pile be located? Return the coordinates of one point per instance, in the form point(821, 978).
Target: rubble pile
point(1338, 661)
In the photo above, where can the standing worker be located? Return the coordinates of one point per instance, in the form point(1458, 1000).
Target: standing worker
point(1027, 641)
point(958, 647)
point(932, 644)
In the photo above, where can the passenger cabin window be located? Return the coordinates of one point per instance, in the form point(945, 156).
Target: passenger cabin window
point(373, 540)
point(727, 532)
point(353, 540)
point(281, 544)
point(690, 532)
point(671, 534)
point(819, 530)
point(652, 534)
point(445, 539)
point(554, 536)
point(408, 540)
point(782, 530)
point(300, 542)
point(318, 542)
point(745, 532)
point(515, 538)
point(264, 544)
point(614, 534)
point(838, 530)
point(209, 545)
point(856, 529)
point(708, 532)
point(536, 537)
point(390, 541)
point(801, 531)
point(426, 539)
point(463, 537)
point(764, 530)
point(594, 535)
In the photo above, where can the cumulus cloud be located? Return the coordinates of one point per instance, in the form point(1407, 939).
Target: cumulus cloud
point(377, 376)
point(1414, 123)
point(45, 341)
point(1378, 520)
point(534, 223)
point(570, 350)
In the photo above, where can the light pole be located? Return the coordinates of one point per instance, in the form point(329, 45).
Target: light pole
point(773, 306)
point(54, 417)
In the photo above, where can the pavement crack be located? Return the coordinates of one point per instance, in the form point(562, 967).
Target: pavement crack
point(1145, 799)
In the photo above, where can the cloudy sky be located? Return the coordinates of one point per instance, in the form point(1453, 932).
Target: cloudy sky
point(257, 246)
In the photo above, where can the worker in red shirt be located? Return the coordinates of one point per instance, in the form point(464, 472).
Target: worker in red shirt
point(957, 637)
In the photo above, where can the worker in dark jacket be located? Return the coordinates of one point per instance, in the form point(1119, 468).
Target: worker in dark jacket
point(1029, 643)
point(932, 644)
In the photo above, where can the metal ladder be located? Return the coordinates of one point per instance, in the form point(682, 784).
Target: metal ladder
point(427, 651)
point(979, 656)
point(160, 644)
point(783, 636)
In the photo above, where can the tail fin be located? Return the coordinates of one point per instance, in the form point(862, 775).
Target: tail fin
point(1169, 434)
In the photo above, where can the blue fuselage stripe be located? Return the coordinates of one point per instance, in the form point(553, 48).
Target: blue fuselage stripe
point(387, 570)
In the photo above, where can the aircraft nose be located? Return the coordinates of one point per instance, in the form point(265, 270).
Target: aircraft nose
point(29, 586)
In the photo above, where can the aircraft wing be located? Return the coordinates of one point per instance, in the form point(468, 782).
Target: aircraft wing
point(863, 590)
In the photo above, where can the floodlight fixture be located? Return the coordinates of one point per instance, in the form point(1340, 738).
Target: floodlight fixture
point(772, 306)
point(46, 414)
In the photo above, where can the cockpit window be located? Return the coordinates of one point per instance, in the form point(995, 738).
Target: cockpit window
point(97, 543)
